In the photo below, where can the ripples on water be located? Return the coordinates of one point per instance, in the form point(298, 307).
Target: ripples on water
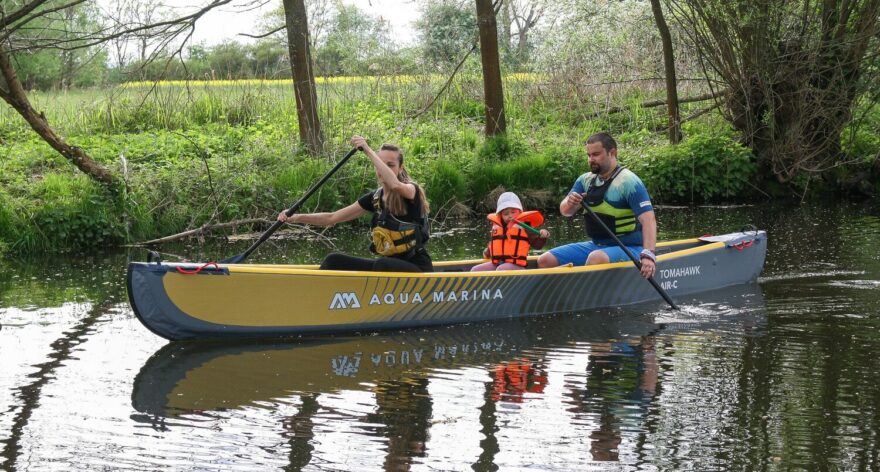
point(777, 376)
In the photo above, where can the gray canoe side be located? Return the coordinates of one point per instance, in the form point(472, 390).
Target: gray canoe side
point(739, 261)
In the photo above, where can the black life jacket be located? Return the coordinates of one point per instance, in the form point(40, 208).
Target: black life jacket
point(393, 237)
point(621, 221)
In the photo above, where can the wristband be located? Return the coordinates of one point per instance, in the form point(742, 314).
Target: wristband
point(648, 254)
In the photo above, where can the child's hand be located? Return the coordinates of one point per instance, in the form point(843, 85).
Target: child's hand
point(544, 233)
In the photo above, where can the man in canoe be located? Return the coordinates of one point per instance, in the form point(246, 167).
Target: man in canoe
point(399, 228)
point(621, 201)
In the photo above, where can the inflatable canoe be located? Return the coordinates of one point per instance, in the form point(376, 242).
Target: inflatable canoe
point(184, 378)
point(198, 301)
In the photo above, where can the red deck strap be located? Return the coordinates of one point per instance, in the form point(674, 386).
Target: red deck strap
point(743, 245)
point(196, 271)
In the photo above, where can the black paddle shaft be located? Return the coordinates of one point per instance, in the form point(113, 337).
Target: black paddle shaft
point(290, 211)
point(631, 257)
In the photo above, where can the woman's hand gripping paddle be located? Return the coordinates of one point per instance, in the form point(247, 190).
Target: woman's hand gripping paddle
point(290, 211)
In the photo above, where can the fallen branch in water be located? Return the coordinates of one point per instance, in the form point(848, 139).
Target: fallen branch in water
point(205, 228)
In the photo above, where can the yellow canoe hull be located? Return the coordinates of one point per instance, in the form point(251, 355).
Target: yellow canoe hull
point(247, 300)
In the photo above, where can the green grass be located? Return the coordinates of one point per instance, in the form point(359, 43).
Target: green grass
point(221, 152)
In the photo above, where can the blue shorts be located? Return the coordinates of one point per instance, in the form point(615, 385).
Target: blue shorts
point(576, 253)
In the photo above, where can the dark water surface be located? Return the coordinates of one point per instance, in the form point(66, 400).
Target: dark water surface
point(778, 375)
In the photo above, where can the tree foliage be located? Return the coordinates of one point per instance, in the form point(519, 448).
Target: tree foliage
point(75, 65)
point(793, 71)
point(353, 44)
point(447, 31)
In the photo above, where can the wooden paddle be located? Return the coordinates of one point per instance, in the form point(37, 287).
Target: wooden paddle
point(290, 211)
point(631, 257)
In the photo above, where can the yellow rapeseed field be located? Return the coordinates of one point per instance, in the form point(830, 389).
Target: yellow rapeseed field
point(339, 80)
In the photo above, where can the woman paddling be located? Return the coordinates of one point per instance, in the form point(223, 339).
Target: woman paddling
point(399, 229)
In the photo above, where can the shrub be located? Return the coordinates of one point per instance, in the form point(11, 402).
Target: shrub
point(74, 212)
point(518, 175)
point(499, 148)
point(564, 165)
point(292, 182)
point(444, 183)
point(705, 167)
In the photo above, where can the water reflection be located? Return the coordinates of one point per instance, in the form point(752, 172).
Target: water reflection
point(29, 395)
point(621, 383)
point(734, 389)
point(381, 389)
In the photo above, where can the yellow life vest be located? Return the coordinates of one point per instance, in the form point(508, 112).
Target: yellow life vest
point(619, 220)
point(392, 237)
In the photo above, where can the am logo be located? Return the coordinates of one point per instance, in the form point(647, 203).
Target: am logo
point(344, 300)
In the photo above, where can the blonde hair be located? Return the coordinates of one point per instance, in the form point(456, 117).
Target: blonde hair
point(394, 201)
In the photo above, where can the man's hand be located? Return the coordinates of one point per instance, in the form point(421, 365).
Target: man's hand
point(571, 204)
point(648, 268)
point(649, 263)
point(574, 199)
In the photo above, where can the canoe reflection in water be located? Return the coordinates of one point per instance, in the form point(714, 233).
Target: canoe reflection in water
point(608, 395)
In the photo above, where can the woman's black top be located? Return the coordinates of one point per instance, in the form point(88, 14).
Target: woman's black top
point(420, 256)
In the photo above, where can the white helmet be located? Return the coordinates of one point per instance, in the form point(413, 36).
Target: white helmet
point(508, 200)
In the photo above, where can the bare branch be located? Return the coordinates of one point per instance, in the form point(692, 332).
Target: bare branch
point(8, 31)
point(172, 27)
point(264, 35)
point(445, 85)
point(22, 12)
point(205, 228)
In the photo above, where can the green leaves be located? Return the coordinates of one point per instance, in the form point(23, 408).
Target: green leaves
point(703, 168)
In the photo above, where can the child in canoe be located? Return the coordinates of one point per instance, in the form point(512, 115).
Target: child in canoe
point(513, 234)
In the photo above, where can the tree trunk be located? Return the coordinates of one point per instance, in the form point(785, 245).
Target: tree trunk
point(669, 65)
point(494, 94)
point(16, 97)
point(303, 77)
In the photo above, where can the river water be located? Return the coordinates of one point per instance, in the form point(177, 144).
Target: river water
point(777, 375)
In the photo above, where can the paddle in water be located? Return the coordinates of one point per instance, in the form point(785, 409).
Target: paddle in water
point(631, 257)
point(290, 211)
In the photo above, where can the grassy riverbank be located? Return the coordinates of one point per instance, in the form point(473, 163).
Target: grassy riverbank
point(196, 153)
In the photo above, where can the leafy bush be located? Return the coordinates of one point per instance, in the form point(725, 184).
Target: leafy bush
point(75, 212)
point(565, 164)
point(862, 144)
point(702, 168)
point(529, 172)
point(444, 183)
point(465, 108)
point(8, 223)
point(292, 182)
point(499, 148)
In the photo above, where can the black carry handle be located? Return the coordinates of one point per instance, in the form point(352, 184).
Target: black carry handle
point(631, 257)
point(290, 211)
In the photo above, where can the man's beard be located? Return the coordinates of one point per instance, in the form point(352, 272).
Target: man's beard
point(595, 168)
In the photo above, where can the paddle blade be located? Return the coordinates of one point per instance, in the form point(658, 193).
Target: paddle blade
point(532, 218)
point(233, 259)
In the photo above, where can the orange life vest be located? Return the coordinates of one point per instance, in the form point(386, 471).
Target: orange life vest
point(508, 244)
point(514, 378)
